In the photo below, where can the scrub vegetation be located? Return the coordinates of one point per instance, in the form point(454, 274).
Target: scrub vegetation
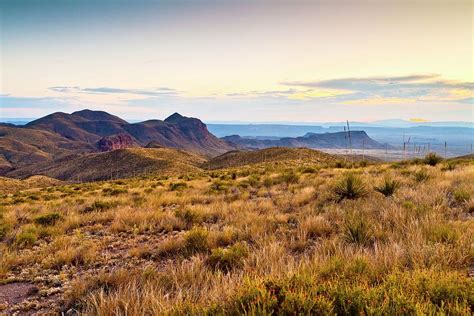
point(267, 238)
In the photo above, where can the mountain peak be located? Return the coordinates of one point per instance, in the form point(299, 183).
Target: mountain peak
point(175, 117)
point(98, 116)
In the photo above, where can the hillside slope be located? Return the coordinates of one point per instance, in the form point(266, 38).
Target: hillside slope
point(9, 185)
point(121, 163)
point(20, 147)
point(176, 131)
point(269, 155)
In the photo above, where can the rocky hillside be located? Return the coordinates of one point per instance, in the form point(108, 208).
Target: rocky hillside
point(48, 140)
point(91, 127)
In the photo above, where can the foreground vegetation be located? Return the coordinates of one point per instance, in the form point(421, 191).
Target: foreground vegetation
point(270, 238)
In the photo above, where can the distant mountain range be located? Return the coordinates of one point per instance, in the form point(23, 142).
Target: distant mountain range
point(395, 123)
point(94, 145)
point(354, 139)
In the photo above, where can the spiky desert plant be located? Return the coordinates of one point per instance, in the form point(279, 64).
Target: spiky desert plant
point(388, 187)
point(350, 186)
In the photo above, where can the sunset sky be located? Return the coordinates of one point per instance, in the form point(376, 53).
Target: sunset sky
point(301, 61)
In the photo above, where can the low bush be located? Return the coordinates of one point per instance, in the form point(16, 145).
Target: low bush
point(113, 192)
point(289, 177)
point(219, 186)
point(48, 219)
point(421, 175)
point(4, 229)
point(177, 186)
point(99, 206)
point(226, 259)
point(461, 196)
point(190, 217)
point(196, 240)
point(449, 166)
point(432, 159)
point(27, 237)
point(357, 231)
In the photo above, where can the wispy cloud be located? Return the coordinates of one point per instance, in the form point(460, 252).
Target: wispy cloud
point(384, 90)
point(290, 94)
point(110, 90)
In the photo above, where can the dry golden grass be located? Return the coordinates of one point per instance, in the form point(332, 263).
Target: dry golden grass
point(234, 242)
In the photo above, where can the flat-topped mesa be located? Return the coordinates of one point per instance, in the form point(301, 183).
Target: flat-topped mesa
point(357, 139)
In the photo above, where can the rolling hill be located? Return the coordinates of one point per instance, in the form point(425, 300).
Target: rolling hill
point(269, 155)
point(20, 147)
point(121, 163)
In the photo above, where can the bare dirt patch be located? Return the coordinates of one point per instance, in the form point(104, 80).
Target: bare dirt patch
point(14, 293)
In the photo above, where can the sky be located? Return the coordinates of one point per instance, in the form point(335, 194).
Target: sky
point(249, 61)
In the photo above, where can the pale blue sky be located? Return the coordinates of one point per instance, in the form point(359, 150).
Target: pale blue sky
point(302, 61)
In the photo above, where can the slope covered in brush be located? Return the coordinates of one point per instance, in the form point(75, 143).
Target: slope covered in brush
point(122, 163)
point(269, 155)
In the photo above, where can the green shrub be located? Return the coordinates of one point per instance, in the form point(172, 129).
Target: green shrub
point(267, 182)
point(48, 219)
point(253, 180)
point(196, 240)
point(350, 186)
point(113, 192)
point(178, 186)
point(289, 177)
point(27, 237)
point(308, 170)
point(228, 259)
point(388, 187)
point(442, 233)
point(291, 296)
point(190, 217)
point(460, 196)
point(358, 231)
point(4, 229)
point(363, 163)
point(421, 175)
point(219, 186)
point(407, 293)
point(449, 166)
point(432, 159)
point(99, 206)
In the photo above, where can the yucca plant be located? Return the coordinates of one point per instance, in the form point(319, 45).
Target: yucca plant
point(350, 187)
point(421, 175)
point(388, 187)
point(358, 231)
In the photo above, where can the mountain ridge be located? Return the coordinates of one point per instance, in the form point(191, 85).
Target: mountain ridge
point(354, 139)
point(64, 146)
